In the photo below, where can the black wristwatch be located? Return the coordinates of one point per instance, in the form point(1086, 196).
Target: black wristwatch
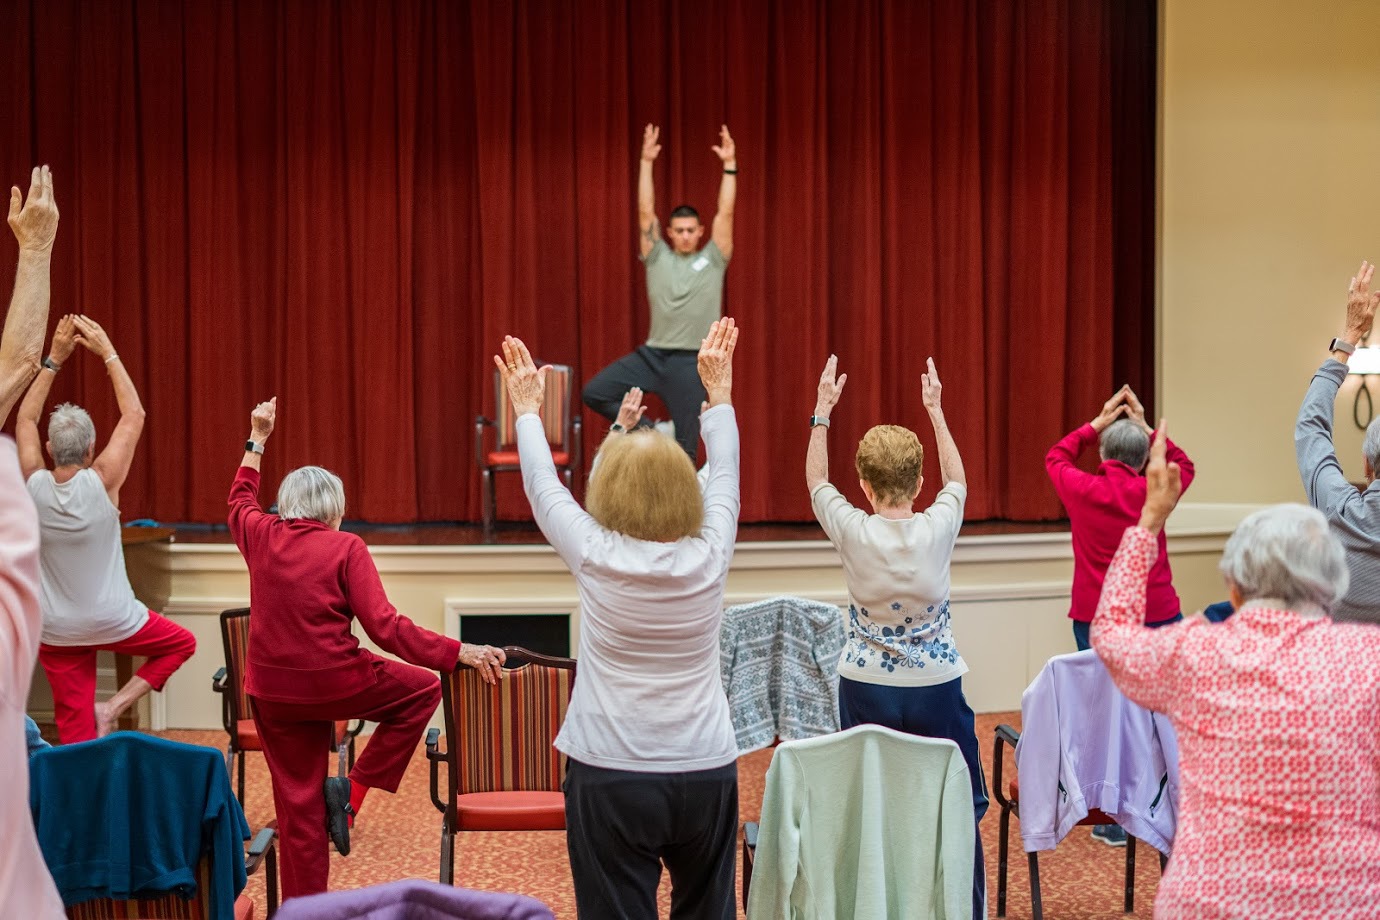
point(616, 427)
point(253, 446)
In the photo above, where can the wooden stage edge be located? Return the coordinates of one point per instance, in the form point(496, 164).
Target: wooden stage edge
point(527, 534)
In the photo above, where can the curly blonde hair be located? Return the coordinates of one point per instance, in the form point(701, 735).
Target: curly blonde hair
point(645, 487)
point(889, 460)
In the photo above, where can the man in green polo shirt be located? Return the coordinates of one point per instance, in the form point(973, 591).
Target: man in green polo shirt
point(685, 286)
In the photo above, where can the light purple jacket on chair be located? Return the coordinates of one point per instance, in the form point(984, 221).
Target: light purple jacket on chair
point(413, 899)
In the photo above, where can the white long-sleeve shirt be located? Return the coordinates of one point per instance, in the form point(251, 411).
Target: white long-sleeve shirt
point(649, 696)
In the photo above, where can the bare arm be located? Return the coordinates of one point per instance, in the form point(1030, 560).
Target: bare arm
point(26, 433)
point(21, 345)
point(646, 194)
point(113, 463)
point(817, 456)
point(722, 232)
point(260, 427)
point(950, 463)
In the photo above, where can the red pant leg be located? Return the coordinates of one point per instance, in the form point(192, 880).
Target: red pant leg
point(71, 671)
point(402, 703)
point(166, 645)
point(295, 747)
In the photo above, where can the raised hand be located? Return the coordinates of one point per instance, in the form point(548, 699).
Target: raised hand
point(650, 145)
point(485, 659)
point(93, 337)
point(716, 360)
point(1135, 411)
point(261, 420)
point(35, 221)
point(829, 388)
point(630, 412)
point(64, 340)
point(526, 383)
point(1361, 302)
point(726, 150)
point(1112, 409)
point(1163, 483)
point(930, 388)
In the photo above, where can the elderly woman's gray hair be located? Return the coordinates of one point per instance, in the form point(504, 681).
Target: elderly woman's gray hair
point(1126, 441)
point(71, 435)
point(313, 493)
point(1287, 552)
point(1370, 449)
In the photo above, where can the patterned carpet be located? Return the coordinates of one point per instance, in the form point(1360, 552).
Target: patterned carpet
point(399, 837)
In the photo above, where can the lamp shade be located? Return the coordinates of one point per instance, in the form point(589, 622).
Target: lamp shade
point(1365, 361)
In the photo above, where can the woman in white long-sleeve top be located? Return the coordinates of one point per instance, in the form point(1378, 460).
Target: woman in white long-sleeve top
point(653, 765)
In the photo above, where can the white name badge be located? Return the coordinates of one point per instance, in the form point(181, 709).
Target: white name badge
point(700, 264)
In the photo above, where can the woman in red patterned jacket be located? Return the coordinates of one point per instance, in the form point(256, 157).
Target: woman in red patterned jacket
point(308, 582)
point(1275, 713)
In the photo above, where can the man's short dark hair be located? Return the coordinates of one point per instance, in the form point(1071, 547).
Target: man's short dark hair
point(686, 211)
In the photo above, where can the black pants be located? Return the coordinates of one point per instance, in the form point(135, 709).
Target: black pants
point(671, 373)
point(620, 826)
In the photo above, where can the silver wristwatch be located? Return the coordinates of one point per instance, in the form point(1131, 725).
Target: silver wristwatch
point(1343, 346)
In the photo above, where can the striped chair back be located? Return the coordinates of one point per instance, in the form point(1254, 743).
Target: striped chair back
point(234, 634)
point(501, 737)
point(555, 410)
point(168, 906)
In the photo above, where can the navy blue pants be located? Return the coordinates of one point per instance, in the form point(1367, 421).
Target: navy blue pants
point(1082, 632)
point(935, 711)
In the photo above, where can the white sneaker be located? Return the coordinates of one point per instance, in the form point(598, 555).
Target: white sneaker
point(667, 428)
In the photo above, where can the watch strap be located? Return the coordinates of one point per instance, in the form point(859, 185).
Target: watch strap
point(52, 365)
point(1343, 346)
point(254, 447)
point(817, 420)
point(616, 427)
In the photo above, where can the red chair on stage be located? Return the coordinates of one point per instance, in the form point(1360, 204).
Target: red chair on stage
point(502, 773)
point(562, 433)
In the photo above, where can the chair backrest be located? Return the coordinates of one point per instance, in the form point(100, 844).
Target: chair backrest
point(168, 906)
point(555, 410)
point(500, 738)
point(234, 635)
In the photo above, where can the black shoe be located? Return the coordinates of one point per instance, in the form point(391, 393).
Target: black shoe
point(1111, 834)
point(338, 811)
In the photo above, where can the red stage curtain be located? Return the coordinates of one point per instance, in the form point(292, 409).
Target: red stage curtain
point(348, 204)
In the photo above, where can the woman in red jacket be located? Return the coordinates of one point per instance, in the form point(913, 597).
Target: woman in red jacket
point(308, 581)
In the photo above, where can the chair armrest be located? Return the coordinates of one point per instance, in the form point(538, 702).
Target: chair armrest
point(436, 757)
point(258, 849)
point(1004, 734)
point(354, 732)
point(218, 681)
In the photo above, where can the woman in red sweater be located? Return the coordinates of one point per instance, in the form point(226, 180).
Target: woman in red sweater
point(308, 581)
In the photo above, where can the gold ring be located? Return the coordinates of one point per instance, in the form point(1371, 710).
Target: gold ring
point(512, 365)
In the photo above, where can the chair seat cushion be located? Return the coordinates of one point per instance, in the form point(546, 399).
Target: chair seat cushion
point(247, 734)
point(510, 458)
point(244, 908)
point(1095, 816)
point(510, 811)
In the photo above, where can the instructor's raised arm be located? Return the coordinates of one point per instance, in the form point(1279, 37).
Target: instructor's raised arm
point(647, 227)
point(728, 193)
point(950, 463)
point(35, 227)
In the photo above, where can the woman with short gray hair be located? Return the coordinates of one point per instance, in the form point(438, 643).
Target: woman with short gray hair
point(1275, 712)
point(88, 604)
point(308, 583)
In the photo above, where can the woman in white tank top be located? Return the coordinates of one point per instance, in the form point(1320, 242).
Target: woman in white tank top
point(85, 595)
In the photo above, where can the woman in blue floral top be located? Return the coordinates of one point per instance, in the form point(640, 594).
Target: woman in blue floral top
point(900, 667)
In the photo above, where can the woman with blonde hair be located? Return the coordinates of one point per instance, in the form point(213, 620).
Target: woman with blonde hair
point(900, 666)
point(653, 764)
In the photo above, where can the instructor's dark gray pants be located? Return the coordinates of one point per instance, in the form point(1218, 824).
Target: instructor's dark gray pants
point(671, 373)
